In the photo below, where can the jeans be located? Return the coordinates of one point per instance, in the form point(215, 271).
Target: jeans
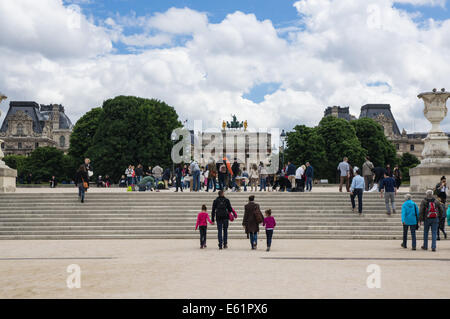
point(222, 181)
point(432, 223)
point(129, 180)
point(202, 235)
point(269, 234)
point(222, 225)
point(253, 239)
point(81, 191)
point(211, 180)
point(389, 196)
point(413, 235)
point(262, 183)
point(357, 192)
point(308, 183)
point(196, 181)
point(178, 182)
point(441, 226)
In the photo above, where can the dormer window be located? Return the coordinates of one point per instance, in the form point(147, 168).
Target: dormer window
point(20, 129)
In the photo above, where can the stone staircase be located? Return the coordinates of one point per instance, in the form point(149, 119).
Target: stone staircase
point(173, 215)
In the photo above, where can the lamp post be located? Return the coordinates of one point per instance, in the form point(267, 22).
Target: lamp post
point(283, 139)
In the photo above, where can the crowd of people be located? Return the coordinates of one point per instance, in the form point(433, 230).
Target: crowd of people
point(221, 176)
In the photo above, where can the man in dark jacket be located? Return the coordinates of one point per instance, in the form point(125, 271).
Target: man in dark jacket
point(220, 212)
point(430, 213)
point(235, 169)
point(309, 176)
point(178, 176)
point(250, 222)
point(290, 172)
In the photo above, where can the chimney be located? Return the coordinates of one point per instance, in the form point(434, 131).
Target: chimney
point(55, 116)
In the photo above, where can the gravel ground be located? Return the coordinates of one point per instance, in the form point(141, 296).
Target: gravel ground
point(179, 269)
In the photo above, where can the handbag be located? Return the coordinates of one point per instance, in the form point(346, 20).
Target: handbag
point(258, 215)
point(417, 218)
point(85, 184)
point(232, 215)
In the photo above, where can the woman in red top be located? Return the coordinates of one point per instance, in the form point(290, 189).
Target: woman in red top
point(202, 222)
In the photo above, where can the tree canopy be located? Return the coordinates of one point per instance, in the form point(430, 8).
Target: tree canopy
point(371, 135)
point(130, 130)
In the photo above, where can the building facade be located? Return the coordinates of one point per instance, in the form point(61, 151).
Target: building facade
point(382, 114)
point(28, 125)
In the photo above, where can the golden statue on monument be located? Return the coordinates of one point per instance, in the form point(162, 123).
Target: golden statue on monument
point(224, 125)
point(245, 125)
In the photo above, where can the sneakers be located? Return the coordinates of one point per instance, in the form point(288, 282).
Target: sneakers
point(424, 248)
point(402, 245)
point(434, 249)
point(268, 249)
point(225, 246)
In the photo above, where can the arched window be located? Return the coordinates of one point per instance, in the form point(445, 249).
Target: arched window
point(19, 129)
point(62, 141)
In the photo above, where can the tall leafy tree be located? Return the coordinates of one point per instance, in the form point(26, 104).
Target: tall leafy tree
point(83, 134)
point(407, 161)
point(132, 130)
point(372, 138)
point(304, 144)
point(340, 140)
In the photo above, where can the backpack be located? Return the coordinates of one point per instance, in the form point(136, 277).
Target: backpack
point(221, 209)
point(432, 210)
point(223, 169)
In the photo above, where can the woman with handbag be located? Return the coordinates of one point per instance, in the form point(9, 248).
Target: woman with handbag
point(252, 218)
point(410, 219)
point(82, 181)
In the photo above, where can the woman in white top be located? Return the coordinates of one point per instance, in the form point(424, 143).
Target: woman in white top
point(253, 176)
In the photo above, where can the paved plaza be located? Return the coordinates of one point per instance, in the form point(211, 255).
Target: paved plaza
point(179, 269)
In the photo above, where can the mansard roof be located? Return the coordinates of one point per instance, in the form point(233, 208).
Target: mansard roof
point(374, 110)
point(38, 114)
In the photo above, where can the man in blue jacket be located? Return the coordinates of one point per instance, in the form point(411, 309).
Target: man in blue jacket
point(410, 219)
point(309, 176)
point(387, 184)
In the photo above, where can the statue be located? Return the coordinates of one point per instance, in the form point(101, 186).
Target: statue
point(245, 125)
point(235, 124)
point(7, 175)
point(223, 125)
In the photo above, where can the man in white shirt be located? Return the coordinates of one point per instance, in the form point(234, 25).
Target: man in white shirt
point(344, 169)
point(299, 182)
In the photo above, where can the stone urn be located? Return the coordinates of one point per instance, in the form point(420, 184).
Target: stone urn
point(436, 143)
point(436, 155)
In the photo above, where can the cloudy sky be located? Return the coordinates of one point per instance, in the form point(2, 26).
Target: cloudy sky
point(276, 63)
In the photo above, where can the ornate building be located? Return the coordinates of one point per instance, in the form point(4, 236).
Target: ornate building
point(381, 113)
point(28, 125)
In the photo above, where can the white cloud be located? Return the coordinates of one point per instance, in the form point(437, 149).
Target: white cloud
point(337, 48)
point(432, 3)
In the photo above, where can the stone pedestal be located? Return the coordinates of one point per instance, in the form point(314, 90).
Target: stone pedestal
point(7, 179)
point(436, 154)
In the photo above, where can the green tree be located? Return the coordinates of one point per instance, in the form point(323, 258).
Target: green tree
point(340, 141)
point(371, 135)
point(304, 144)
point(132, 130)
point(19, 163)
point(408, 161)
point(83, 135)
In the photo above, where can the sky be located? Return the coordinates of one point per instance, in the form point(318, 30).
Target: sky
point(276, 64)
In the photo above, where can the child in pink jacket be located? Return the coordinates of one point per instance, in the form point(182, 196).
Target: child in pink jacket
point(202, 222)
